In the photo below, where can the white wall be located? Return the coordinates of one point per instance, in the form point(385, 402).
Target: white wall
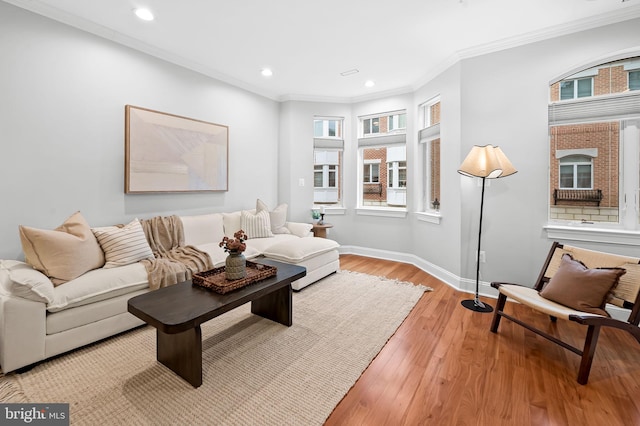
point(296, 153)
point(504, 98)
point(63, 94)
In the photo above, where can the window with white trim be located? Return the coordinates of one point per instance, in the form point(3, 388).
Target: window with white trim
point(382, 124)
point(634, 80)
point(327, 160)
point(429, 140)
point(382, 161)
point(576, 172)
point(577, 88)
point(327, 128)
point(397, 172)
point(371, 173)
point(595, 150)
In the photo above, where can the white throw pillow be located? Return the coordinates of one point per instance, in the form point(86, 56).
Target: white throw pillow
point(123, 245)
point(277, 216)
point(202, 229)
point(232, 222)
point(256, 225)
point(26, 282)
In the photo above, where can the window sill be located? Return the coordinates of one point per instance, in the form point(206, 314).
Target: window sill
point(381, 211)
point(430, 216)
point(334, 211)
point(591, 233)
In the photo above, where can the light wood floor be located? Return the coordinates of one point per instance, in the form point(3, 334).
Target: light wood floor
point(444, 367)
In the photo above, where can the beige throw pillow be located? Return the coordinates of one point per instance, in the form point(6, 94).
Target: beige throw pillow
point(64, 253)
point(277, 216)
point(578, 287)
point(123, 245)
point(256, 225)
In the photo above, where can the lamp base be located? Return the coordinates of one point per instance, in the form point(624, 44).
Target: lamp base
point(477, 307)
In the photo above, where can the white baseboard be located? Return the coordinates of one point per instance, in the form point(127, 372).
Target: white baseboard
point(461, 284)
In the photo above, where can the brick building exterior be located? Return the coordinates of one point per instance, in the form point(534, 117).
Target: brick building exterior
point(600, 139)
point(602, 136)
point(376, 193)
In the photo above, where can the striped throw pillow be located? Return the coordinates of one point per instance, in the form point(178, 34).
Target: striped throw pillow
point(123, 245)
point(256, 225)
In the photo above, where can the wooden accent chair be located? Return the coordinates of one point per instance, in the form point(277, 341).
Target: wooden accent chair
point(624, 295)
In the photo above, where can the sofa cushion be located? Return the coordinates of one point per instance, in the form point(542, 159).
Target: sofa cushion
point(578, 287)
point(256, 225)
point(123, 245)
point(79, 316)
point(202, 229)
point(295, 251)
point(26, 282)
point(277, 216)
point(99, 284)
point(64, 253)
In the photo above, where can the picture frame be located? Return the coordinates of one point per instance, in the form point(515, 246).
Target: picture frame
point(170, 153)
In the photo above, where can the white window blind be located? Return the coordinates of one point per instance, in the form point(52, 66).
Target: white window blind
point(599, 108)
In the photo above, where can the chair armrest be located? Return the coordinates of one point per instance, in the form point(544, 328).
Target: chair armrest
point(599, 320)
point(497, 284)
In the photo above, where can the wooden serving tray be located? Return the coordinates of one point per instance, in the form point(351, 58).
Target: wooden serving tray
point(215, 279)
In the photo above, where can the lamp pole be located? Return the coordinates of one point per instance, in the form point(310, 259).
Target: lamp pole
point(476, 304)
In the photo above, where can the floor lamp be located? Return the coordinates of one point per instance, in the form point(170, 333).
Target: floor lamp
point(486, 162)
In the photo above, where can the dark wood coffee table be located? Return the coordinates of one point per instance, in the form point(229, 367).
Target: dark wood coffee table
point(177, 312)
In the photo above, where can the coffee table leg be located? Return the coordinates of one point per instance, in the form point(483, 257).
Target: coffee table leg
point(182, 353)
point(275, 306)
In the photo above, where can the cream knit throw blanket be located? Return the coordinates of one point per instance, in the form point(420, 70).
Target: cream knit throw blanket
point(174, 262)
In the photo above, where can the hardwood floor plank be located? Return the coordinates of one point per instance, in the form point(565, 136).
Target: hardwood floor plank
point(444, 367)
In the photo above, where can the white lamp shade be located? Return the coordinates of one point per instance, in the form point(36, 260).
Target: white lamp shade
point(486, 162)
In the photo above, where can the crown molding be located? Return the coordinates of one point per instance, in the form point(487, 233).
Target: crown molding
point(624, 14)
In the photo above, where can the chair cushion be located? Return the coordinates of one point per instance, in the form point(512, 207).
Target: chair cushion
point(64, 253)
point(578, 287)
point(530, 297)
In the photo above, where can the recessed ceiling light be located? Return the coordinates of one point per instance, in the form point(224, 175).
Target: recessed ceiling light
point(144, 14)
point(266, 72)
point(369, 83)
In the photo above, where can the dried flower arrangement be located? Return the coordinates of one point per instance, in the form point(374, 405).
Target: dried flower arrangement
point(235, 244)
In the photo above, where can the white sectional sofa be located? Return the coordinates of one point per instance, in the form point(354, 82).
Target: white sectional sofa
point(39, 320)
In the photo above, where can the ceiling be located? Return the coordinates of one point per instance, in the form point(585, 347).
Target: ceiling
point(398, 44)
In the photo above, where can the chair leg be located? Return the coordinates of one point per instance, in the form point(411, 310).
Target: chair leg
point(587, 353)
point(496, 314)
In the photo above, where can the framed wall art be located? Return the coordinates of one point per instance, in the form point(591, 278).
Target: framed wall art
point(169, 153)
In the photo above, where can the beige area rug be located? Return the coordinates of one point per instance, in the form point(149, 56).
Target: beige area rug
point(255, 371)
